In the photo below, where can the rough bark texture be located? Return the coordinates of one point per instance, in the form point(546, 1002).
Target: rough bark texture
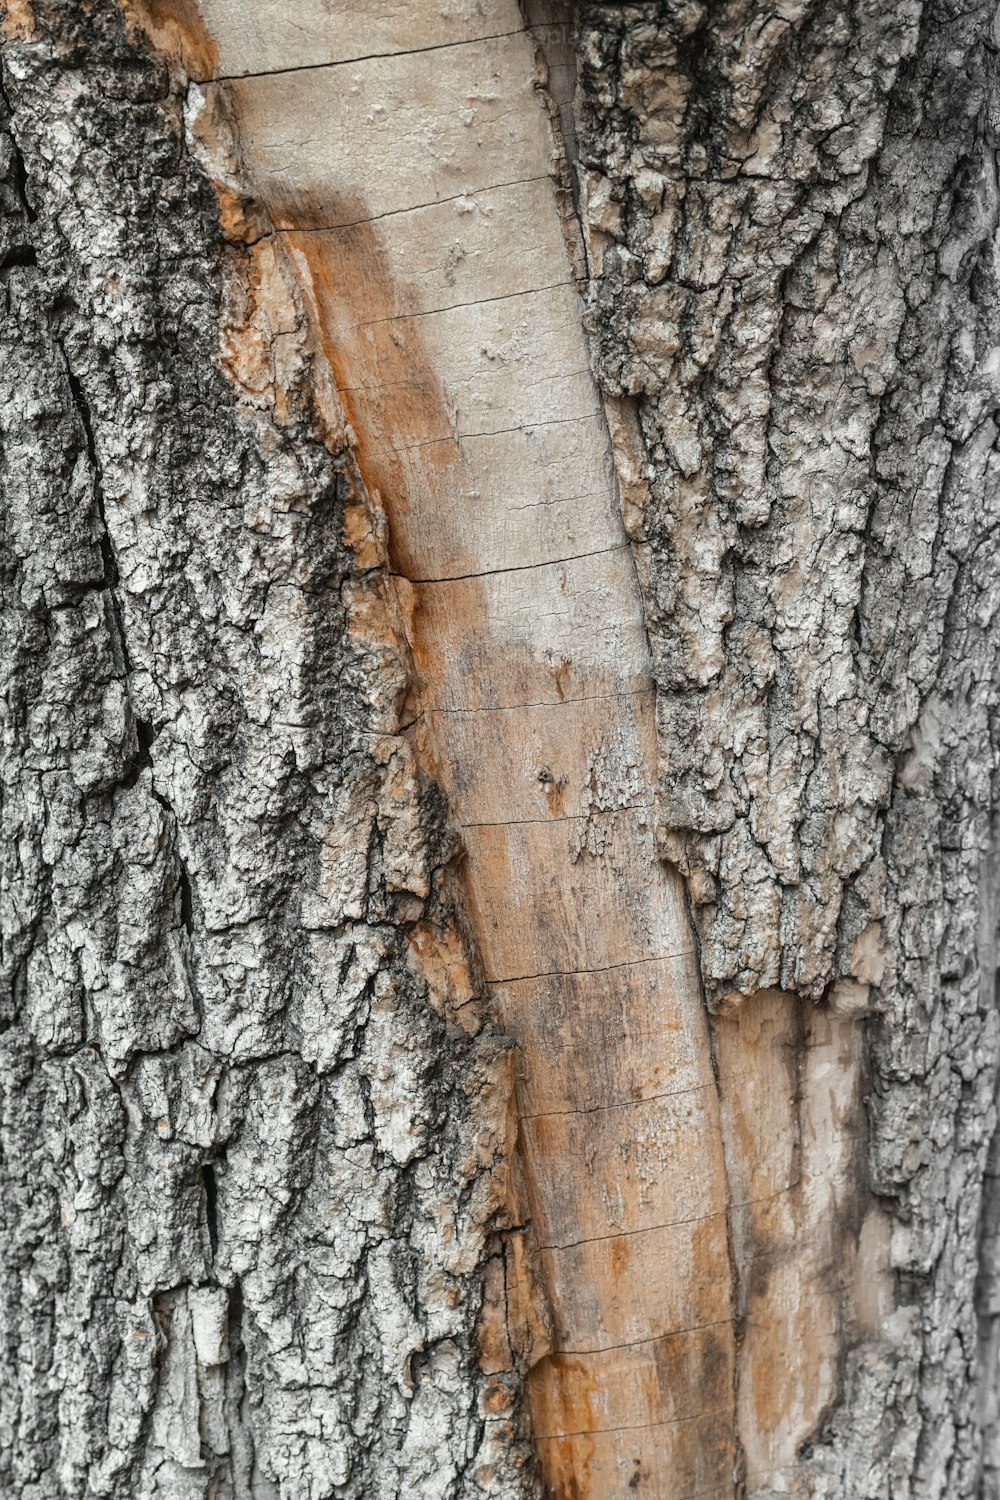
point(252, 1164)
point(264, 1227)
point(793, 241)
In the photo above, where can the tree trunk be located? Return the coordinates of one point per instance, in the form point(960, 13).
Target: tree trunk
point(499, 856)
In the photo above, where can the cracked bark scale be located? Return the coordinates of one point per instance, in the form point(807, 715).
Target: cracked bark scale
point(259, 1225)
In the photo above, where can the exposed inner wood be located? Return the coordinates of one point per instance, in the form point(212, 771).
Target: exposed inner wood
point(405, 155)
point(425, 222)
point(811, 1262)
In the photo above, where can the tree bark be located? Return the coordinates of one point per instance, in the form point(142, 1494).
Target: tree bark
point(254, 1161)
point(797, 224)
point(499, 888)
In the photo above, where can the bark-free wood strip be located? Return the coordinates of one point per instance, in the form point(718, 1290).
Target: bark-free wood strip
point(272, 36)
point(349, 145)
point(400, 184)
point(540, 779)
point(790, 1083)
point(605, 1039)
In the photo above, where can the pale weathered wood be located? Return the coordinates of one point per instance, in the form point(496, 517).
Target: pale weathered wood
point(417, 127)
point(273, 36)
point(790, 1083)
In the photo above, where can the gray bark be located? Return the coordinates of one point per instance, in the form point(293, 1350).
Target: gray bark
point(796, 217)
point(258, 1223)
point(251, 1180)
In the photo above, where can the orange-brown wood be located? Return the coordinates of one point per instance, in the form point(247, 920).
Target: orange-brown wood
point(400, 184)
